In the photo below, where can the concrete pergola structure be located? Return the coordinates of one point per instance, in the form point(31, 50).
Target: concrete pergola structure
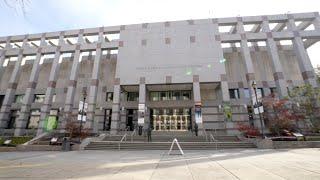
point(77, 41)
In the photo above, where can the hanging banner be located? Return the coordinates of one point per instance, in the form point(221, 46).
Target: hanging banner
point(141, 114)
point(50, 123)
point(84, 117)
point(198, 114)
point(227, 112)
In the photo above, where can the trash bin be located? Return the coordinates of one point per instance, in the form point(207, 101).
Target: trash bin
point(66, 144)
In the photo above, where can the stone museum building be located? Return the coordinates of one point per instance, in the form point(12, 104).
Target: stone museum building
point(157, 74)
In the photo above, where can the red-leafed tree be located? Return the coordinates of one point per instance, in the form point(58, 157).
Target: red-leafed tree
point(247, 130)
point(281, 114)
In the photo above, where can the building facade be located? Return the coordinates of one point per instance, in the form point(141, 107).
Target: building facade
point(157, 74)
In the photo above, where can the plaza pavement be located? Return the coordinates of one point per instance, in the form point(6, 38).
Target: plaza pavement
point(249, 164)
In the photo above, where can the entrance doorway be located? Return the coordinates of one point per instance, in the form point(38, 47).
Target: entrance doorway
point(174, 119)
point(132, 119)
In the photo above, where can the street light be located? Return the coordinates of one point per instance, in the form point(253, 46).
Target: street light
point(254, 85)
point(84, 95)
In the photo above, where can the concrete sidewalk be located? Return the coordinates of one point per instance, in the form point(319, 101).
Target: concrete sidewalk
point(225, 164)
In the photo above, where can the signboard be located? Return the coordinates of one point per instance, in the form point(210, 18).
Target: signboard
point(227, 112)
point(257, 105)
point(198, 114)
point(85, 108)
point(141, 113)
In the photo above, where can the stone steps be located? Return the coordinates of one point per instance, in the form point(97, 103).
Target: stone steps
point(113, 145)
point(168, 138)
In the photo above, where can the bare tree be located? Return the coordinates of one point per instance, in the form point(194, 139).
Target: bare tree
point(17, 5)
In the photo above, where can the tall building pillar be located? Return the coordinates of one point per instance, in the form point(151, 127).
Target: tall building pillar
point(47, 104)
point(68, 106)
point(223, 77)
point(142, 101)
point(316, 21)
point(92, 98)
point(115, 117)
point(2, 60)
point(197, 99)
point(277, 69)
point(10, 92)
point(245, 52)
point(21, 123)
point(304, 62)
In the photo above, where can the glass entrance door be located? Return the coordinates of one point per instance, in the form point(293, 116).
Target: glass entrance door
point(176, 119)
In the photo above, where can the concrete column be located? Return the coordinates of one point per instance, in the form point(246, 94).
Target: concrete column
point(197, 98)
point(10, 92)
point(68, 106)
point(2, 59)
point(28, 98)
point(245, 52)
point(115, 117)
point(71, 89)
point(46, 107)
point(142, 100)
point(223, 77)
point(305, 65)
point(277, 69)
point(316, 21)
point(92, 98)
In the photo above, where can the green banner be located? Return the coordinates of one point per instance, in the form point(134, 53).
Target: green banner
point(227, 112)
point(50, 123)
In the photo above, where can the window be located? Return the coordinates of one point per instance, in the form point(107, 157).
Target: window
point(39, 98)
point(273, 90)
point(163, 96)
point(109, 97)
point(132, 96)
point(1, 100)
point(260, 92)
point(18, 98)
point(154, 96)
point(170, 95)
point(12, 121)
point(246, 93)
point(34, 119)
point(186, 95)
point(234, 93)
point(176, 95)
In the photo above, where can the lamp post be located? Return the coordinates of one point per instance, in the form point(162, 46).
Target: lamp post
point(84, 95)
point(254, 85)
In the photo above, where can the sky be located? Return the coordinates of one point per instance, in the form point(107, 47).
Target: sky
point(56, 15)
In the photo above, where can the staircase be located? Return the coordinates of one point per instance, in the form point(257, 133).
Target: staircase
point(163, 140)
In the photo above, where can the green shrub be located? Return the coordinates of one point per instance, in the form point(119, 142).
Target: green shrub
point(313, 138)
point(20, 139)
point(1, 141)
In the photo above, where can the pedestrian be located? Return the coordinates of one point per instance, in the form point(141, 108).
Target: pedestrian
point(196, 129)
point(149, 133)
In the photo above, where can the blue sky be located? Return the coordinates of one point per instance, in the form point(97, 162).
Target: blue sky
point(55, 15)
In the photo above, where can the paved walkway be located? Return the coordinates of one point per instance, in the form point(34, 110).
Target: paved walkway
point(131, 165)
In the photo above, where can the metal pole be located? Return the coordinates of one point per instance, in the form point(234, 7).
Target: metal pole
point(260, 117)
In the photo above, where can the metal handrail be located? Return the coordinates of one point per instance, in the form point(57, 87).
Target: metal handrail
point(212, 139)
point(124, 138)
point(132, 134)
point(205, 134)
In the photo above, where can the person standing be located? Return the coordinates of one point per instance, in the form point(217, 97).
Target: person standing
point(196, 129)
point(149, 133)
